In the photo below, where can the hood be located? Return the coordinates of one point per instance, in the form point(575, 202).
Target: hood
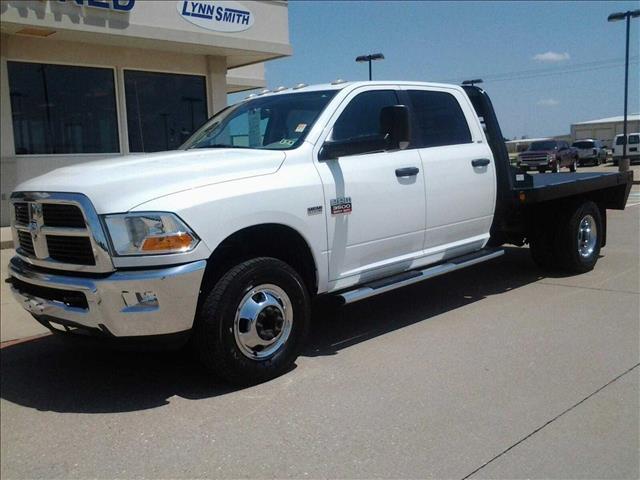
point(119, 184)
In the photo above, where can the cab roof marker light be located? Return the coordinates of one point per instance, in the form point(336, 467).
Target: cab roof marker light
point(338, 81)
point(262, 92)
point(280, 88)
point(300, 85)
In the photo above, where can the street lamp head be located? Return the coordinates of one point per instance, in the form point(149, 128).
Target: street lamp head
point(368, 58)
point(616, 17)
point(472, 82)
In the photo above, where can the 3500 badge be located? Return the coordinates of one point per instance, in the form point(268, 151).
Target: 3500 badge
point(341, 205)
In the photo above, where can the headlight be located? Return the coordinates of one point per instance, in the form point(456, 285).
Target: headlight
point(149, 233)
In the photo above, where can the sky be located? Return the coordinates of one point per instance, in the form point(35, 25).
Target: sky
point(544, 64)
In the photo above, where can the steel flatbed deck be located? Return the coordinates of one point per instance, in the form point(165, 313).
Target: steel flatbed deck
point(542, 187)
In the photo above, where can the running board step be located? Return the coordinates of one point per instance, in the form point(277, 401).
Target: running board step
point(407, 278)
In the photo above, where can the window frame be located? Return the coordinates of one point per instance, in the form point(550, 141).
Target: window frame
point(121, 149)
point(472, 123)
point(124, 128)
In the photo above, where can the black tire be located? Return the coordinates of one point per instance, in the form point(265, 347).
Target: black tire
point(572, 167)
point(566, 249)
point(541, 170)
point(556, 167)
point(214, 337)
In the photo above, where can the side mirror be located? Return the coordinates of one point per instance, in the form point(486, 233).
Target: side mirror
point(395, 126)
point(332, 149)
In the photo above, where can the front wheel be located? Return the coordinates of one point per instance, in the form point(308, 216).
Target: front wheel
point(253, 322)
point(574, 165)
point(556, 167)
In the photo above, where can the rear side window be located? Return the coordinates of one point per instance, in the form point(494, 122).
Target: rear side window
point(438, 119)
point(634, 139)
point(361, 118)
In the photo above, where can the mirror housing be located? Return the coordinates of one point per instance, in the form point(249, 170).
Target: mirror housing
point(333, 149)
point(395, 133)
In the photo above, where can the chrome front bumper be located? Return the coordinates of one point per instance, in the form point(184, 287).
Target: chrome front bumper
point(122, 304)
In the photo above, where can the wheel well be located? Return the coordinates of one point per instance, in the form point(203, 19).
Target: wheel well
point(266, 240)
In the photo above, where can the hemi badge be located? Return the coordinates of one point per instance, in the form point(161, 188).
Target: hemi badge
point(314, 210)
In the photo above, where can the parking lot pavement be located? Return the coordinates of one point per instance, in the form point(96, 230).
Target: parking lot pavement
point(494, 371)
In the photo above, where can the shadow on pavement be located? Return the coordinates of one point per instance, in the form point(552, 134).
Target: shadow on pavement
point(335, 327)
point(47, 374)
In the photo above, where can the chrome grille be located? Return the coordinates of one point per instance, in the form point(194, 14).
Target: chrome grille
point(76, 250)
point(62, 215)
point(26, 242)
point(22, 213)
point(534, 158)
point(59, 231)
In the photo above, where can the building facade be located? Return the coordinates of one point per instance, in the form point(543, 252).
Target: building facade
point(88, 79)
point(605, 128)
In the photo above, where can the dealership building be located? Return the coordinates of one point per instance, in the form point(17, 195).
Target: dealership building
point(88, 79)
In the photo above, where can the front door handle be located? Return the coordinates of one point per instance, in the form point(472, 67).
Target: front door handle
point(407, 172)
point(480, 162)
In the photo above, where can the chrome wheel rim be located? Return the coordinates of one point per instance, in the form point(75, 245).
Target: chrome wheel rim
point(263, 321)
point(587, 236)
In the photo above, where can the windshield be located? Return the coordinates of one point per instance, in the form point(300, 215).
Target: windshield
point(583, 144)
point(279, 122)
point(620, 140)
point(537, 146)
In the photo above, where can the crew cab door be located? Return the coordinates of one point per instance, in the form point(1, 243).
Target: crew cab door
point(374, 202)
point(459, 172)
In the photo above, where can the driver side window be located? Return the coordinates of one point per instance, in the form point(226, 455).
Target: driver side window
point(361, 118)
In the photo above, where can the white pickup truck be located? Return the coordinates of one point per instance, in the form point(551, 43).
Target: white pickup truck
point(348, 189)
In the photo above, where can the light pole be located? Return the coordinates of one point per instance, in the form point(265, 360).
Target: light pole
point(369, 58)
point(614, 17)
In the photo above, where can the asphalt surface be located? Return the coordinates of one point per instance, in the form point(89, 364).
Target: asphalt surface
point(491, 372)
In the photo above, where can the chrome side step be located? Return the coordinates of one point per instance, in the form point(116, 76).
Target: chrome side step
point(407, 278)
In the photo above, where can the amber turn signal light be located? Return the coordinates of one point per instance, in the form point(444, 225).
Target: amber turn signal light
point(174, 242)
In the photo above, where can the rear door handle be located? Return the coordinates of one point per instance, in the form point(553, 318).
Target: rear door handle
point(407, 172)
point(480, 162)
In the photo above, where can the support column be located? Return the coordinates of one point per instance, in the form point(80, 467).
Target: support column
point(216, 84)
point(8, 167)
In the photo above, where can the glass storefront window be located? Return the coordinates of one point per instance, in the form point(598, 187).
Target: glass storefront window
point(163, 109)
point(62, 109)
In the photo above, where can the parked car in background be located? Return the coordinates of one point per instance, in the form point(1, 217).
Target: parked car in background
point(549, 155)
point(632, 147)
point(590, 151)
